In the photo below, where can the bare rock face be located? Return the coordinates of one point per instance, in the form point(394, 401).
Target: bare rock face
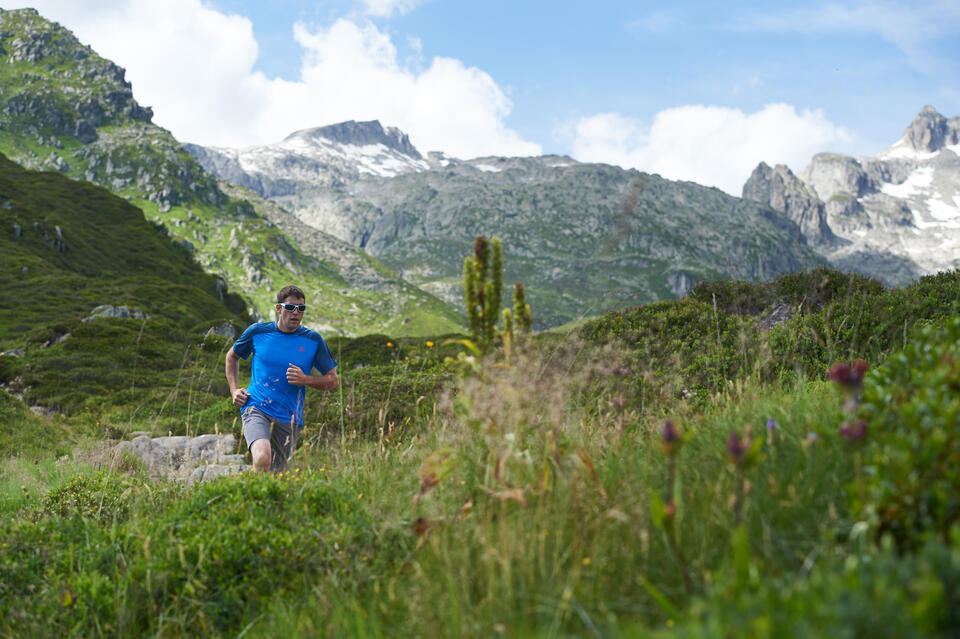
point(832, 174)
point(189, 459)
point(779, 188)
point(108, 310)
point(930, 131)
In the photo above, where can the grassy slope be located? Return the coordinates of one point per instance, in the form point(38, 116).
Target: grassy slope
point(106, 253)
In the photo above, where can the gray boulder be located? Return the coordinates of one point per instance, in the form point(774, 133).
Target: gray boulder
point(187, 458)
point(108, 310)
point(224, 329)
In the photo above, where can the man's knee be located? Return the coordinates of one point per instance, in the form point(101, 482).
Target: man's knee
point(260, 451)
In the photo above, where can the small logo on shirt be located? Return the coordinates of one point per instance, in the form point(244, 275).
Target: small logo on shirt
point(301, 349)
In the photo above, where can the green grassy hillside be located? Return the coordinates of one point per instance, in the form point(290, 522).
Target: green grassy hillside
point(69, 247)
point(63, 108)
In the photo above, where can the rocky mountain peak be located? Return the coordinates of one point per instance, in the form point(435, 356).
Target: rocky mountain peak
point(783, 191)
point(930, 131)
point(362, 134)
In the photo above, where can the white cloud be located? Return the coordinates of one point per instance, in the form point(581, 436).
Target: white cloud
point(711, 145)
point(656, 22)
point(386, 8)
point(912, 27)
point(194, 66)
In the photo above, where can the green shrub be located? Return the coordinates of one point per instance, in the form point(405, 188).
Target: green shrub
point(872, 595)
point(687, 345)
point(103, 496)
point(377, 399)
point(208, 560)
point(810, 290)
point(912, 406)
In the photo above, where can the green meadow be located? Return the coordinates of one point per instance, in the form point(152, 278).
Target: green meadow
point(679, 469)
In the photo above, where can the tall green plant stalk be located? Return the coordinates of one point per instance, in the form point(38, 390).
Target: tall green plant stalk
point(671, 441)
point(483, 290)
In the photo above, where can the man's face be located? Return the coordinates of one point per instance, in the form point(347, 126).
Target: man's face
point(289, 320)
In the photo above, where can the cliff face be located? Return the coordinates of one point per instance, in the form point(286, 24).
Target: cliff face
point(784, 192)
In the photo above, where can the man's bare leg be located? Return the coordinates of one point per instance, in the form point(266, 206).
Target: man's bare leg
point(260, 451)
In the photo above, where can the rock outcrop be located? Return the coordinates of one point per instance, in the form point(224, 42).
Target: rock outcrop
point(188, 459)
point(783, 191)
point(930, 131)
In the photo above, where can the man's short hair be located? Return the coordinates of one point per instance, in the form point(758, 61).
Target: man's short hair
point(290, 291)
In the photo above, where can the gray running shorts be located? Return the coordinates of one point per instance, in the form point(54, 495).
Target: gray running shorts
point(282, 438)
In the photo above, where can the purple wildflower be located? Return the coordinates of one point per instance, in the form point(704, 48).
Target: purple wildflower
point(853, 432)
point(737, 447)
point(849, 376)
point(670, 439)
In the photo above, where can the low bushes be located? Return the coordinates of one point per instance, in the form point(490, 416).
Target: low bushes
point(107, 555)
point(912, 458)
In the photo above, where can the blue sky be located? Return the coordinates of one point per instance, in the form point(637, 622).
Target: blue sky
point(691, 90)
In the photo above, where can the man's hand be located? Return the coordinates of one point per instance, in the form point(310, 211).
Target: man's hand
point(240, 397)
point(296, 376)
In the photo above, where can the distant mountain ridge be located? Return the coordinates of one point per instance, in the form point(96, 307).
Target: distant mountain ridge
point(583, 238)
point(896, 214)
point(321, 156)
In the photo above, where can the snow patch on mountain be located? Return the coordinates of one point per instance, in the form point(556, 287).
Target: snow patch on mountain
point(915, 183)
point(318, 157)
point(944, 212)
point(901, 150)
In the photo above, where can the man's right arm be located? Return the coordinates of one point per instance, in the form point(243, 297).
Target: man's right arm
point(232, 370)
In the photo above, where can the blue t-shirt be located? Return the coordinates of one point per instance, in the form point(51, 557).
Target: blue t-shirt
point(273, 351)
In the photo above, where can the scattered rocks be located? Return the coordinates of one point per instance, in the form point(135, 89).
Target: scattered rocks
point(107, 310)
point(780, 314)
point(43, 411)
point(225, 329)
point(188, 459)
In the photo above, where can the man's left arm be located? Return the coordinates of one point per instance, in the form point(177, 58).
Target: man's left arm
point(327, 382)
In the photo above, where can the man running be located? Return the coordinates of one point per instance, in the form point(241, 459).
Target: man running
point(284, 353)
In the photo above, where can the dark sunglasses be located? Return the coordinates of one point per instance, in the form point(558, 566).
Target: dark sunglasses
point(294, 307)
